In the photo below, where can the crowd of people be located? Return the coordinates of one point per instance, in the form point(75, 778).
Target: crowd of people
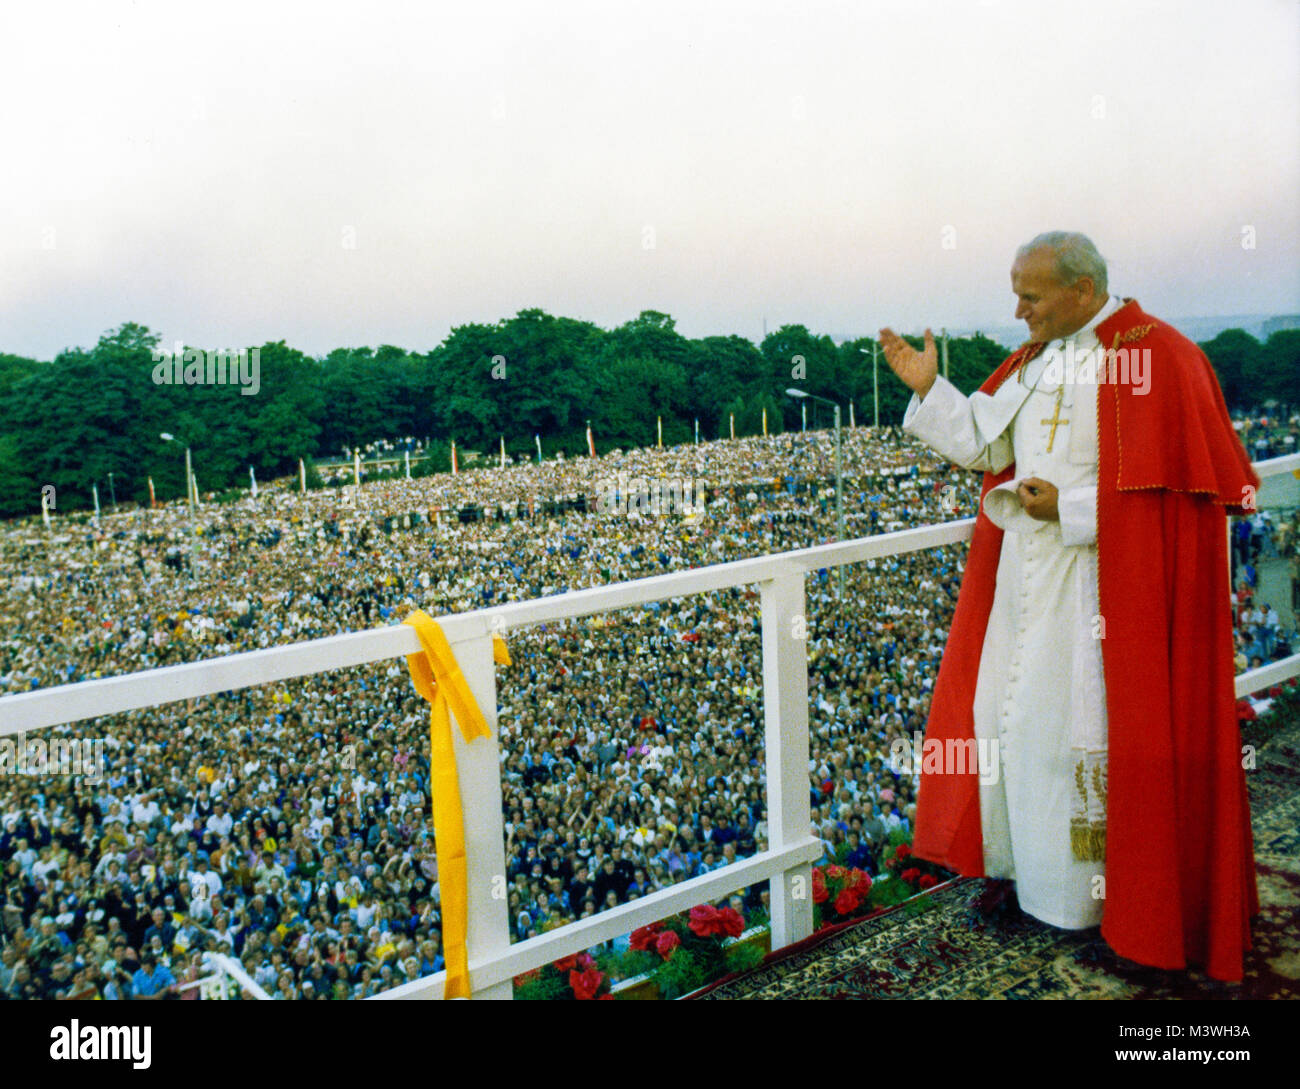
point(288, 826)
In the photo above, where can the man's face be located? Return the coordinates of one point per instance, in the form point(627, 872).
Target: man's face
point(1048, 307)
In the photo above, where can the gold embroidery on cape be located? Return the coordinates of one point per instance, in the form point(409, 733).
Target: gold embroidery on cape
point(1136, 333)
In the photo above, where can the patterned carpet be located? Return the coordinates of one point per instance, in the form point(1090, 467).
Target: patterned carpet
point(936, 946)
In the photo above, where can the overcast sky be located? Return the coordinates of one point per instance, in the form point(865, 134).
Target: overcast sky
point(339, 175)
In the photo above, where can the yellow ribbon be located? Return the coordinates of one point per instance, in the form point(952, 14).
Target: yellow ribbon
point(439, 680)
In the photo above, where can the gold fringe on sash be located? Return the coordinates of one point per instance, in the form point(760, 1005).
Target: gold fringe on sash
point(1088, 823)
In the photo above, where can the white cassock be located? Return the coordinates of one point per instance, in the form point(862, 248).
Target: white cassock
point(1041, 690)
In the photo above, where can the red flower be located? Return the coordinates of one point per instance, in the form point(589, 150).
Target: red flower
point(566, 964)
point(928, 881)
point(585, 984)
point(586, 961)
point(666, 943)
point(704, 921)
point(911, 874)
point(644, 937)
point(903, 851)
point(846, 903)
point(820, 892)
point(732, 922)
point(859, 881)
point(835, 872)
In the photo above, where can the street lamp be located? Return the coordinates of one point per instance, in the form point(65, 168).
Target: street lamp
point(839, 480)
point(189, 475)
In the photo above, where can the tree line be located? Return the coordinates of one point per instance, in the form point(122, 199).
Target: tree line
point(88, 413)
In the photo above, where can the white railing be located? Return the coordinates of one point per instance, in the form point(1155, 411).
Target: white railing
point(493, 961)
point(216, 987)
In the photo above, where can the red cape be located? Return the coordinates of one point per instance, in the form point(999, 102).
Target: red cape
point(1180, 872)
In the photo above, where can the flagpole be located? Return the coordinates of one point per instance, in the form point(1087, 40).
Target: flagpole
point(454, 467)
point(407, 453)
point(538, 439)
point(733, 425)
point(503, 450)
point(697, 431)
point(660, 425)
point(875, 386)
point(765, 421)
point(252, 482)
point(153, 502)
point(302, 478)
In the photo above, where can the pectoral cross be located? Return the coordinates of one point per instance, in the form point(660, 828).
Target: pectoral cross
point(1055, 419)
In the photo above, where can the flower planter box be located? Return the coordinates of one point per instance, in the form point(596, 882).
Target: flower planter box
point(645, 987)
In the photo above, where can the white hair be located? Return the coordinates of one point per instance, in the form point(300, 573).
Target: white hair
point(1076, 257)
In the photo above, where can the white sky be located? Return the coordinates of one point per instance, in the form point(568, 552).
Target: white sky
point(195, 167)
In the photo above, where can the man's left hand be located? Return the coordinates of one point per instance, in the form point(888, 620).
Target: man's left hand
point(1038, 498)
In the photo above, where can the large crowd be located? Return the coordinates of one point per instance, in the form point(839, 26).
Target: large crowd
point(288, 826)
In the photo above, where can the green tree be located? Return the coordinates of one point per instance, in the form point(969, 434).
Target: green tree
point(1277, 372)
point(1231, 353)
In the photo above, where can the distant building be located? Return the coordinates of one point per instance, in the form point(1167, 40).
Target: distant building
point(1277, 324)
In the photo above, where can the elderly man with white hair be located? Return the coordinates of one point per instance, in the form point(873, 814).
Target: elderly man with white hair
point(1090, 655)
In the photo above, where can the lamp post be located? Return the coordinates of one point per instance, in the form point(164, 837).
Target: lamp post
point(113, 492)
point(189, 473)
point(839, 480)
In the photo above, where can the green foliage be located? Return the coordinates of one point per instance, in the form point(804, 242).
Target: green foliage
point(1230, 352)
point(744, 956)
point(629, 963)
point(72, 421)
point(311, 475)
point(1278, 375)
point(685, 971)
point(542, 986)
point(1251, 373)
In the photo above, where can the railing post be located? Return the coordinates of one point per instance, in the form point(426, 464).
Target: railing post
point(785, 716)
point(479, 770)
